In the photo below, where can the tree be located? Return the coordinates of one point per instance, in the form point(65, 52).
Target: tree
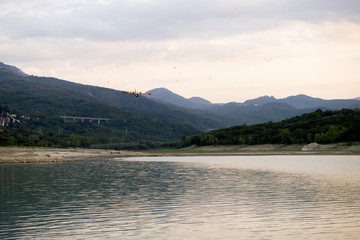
point(286, 136)
point(242, 140)
point(185, 141)
point(208, 139)
point(75, 140)
point(319, 137)
point(332, 135)
point(11, 140)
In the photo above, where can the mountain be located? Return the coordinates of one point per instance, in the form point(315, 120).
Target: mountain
point(302, 101)
point(114, 98)
point(47, 99)
point(231, 113)
point(12, 69)
point(170, 107)
point(166, 95)
point(143, 105)
point(299, 102)
point(260, 101)
point(255, 111)
point(267, 108)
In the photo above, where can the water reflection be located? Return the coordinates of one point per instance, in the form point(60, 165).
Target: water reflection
point(175, 199)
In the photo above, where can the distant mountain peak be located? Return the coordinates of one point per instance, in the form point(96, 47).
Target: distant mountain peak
point(261, 100)
point(168, 96)
point(301, 96)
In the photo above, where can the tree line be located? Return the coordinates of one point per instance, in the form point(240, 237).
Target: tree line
point(320, 126)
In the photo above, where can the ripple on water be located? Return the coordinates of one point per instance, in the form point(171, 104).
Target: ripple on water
point(157, 199)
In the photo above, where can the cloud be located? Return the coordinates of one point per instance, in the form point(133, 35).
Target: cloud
point(161, 19)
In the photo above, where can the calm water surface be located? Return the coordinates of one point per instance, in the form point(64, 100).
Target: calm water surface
point(257, 197)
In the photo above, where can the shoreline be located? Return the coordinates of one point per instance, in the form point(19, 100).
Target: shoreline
point(265, 149)
point(14, 155)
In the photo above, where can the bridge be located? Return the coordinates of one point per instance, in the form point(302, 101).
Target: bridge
point(85, 118)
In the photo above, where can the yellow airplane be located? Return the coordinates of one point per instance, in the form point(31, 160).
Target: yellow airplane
point(137, 94)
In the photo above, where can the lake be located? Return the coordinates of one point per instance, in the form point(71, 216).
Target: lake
point(222, 197)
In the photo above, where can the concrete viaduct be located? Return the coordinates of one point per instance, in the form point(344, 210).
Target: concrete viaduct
point(85, 118)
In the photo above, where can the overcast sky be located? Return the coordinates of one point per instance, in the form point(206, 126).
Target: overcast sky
point(228, 50)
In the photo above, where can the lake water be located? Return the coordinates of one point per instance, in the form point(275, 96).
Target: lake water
point(238, 197)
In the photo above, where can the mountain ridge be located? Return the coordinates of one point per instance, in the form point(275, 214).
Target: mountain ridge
point(39, 98)
point(195, 111)
point(13, 69)
point(166, 95)
point(110, 97)
point(299, 101)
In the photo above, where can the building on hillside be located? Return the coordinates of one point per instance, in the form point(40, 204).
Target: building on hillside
point(7, 118)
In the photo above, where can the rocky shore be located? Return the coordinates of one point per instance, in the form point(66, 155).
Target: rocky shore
point(39, 155)
point(47, 155)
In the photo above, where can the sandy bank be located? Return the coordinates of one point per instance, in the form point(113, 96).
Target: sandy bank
point(266, 149)
point(40, 155)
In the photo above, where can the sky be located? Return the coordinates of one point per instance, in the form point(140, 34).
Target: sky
point(223, 51)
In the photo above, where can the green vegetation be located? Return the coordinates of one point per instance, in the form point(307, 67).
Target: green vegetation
point(46, 131)
point(320, 126)
point(143, 123)
point(43, 100)
point(130, 131)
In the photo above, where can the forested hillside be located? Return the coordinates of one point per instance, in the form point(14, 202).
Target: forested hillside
point(24, 85)
point(319, 126)
point(130, 131)
point(166, 105)
point(39, 105)
point(143, 105)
